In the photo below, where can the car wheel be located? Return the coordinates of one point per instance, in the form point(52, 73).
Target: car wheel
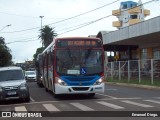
point(27, 99)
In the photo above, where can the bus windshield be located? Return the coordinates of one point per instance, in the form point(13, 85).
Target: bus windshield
point(79, 61)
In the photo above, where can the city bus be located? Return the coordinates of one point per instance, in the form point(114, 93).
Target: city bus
point(73, 65)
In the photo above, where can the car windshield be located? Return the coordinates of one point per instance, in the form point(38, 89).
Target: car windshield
point(10, 75)
point(79, 61)
point(30, 73)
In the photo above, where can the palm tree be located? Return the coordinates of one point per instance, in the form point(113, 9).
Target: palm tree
point(47, 35)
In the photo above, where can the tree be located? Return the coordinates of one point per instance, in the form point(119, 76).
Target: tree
point(47, 35)
point(5, 55)
point(39, 50)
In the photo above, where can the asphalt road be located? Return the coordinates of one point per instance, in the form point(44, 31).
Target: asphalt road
point(116, 101)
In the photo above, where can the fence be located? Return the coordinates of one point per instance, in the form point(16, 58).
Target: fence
point(136, 71)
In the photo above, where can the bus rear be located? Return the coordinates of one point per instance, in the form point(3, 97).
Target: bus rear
point(79, 66)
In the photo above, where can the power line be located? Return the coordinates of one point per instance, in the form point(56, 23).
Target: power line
point(91, 22)
point(21, 41)
point(102, 18)
point(18, 15)
point(66, 18)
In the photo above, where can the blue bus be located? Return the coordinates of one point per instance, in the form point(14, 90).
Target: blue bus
point(73, 65)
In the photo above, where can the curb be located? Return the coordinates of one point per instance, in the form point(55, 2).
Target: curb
point(134, 85)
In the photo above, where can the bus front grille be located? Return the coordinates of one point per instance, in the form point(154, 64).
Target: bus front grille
point(80, 78)
point(80, 88)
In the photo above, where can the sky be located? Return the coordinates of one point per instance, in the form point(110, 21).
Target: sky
point(23, 16)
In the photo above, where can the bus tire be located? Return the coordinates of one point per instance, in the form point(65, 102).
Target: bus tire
point(91, 94)
point(56, 95)
point(27, 99)
point(40, 85)
point(46, 89)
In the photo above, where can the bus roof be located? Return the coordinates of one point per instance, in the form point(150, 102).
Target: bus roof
point(66, 38)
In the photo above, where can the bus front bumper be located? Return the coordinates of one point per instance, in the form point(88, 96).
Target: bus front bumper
point(59, 89)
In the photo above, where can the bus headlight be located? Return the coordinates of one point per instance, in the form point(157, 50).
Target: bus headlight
point(99, 81)
point(41, 78)
point(61, 82)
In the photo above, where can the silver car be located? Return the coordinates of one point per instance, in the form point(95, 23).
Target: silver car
point(30, 75)
point(13, 84)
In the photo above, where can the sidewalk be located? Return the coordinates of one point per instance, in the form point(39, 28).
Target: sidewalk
point(135, 85)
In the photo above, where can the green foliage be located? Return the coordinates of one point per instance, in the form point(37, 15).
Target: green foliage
point(47, 35)
point(5, 55)
point(39, 50)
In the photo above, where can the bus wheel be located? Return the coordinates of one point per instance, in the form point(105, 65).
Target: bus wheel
point(91, 94)
point(56, 95)
point(47, 90)
point(40, 85)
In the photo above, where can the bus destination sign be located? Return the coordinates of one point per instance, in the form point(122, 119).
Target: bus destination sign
point(81, 43)
point(85, 43)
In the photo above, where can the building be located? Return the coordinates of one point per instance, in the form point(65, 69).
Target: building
point(129, 13)
point(135, 40)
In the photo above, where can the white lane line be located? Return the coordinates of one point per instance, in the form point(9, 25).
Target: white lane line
point(153, 101)
point(20, 108)
point(32, 99)
point(120, 98)
point(82, 107)
point(158, 97)
point(110, 105)
point(137, 104)
point(50, 107)
point(107, 96)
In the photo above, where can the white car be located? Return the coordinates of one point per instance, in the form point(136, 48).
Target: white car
point(30, 75)
point(13, 84)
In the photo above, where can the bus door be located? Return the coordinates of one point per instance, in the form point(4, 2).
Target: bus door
point(46, 70)
point(50, 71)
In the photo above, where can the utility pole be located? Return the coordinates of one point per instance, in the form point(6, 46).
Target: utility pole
point(41, 25)
point(41, 20)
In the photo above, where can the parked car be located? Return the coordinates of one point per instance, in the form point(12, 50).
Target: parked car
point(30, 75)
point(13, 84)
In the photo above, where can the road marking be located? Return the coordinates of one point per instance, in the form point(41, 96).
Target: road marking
point(32, 103)
point(153, 101)
point(120, 98)
point(32, 99)
point(137, 104)
point(110, 105)
point(107, 96)
point(82, 107)
point(20, 108)
point(158, 97)
point(50, 107)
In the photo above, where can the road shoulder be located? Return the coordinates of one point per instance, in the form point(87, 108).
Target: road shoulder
point(134, 85)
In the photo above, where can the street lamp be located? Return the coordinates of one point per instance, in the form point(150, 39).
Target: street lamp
point(5, 27)
point(41, 20)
